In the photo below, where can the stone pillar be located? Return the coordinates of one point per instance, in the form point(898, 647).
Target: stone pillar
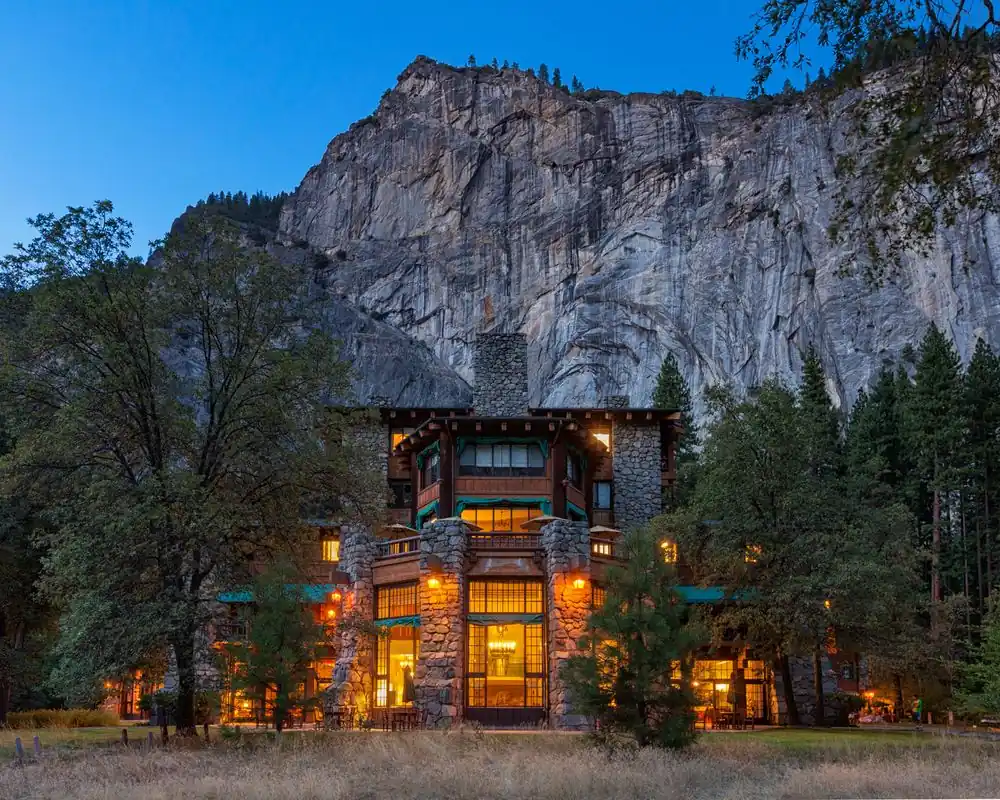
point(440, 672)
point(803, 687)
point(500, 364)
point(567, 560)
point(351, 686)
point(635, 462)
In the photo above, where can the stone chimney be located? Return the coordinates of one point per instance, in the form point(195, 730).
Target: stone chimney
point(500, 364)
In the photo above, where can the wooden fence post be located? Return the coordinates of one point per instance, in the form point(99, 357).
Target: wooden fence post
point(38, 747)
point(19, 750)
point(149, 740)
point(125, 736)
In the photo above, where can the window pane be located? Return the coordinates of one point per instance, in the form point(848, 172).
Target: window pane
point(477, 597)
point(501, 455)
point(396, 601)
point(533, 660)
point(518, 517)
point(519, 455)
point(331, 549)
point(477, 648)
point(535, 691)
point(602, 494)
point(535, 457)
point(598, 595)
point(400, 688)
point(468, 457)
point(505, 670)
point(469, 515)
point(533, 597)
point(502, 519)
point(484, 455)
point(477, 692)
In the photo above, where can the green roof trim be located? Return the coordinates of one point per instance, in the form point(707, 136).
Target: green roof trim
point(542, 502)
point(311, 593)
point(398, 622)
point(506, 619)
point(426, 511)
point(424, 454)
point(577, 510)
point(707, 594)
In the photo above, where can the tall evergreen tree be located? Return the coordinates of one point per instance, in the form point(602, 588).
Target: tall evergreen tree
point(936, 428)
point(982, 409)
point(672, 392)
point(820, 415)
point(543, 72)
point(557, 78)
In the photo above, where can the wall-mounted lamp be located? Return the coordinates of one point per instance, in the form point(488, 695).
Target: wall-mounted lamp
point(336, 595)
point(433, 582)
point(435, 568)
point(579, 583)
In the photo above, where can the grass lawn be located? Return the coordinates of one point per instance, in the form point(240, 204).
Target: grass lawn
point(471, 765)
point(74, 737)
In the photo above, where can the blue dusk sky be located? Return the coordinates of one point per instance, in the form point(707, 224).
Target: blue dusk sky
point(155, 104)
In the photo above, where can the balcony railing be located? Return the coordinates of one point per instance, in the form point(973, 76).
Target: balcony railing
point(230, 631)
point(390, 548)
point(505, 541)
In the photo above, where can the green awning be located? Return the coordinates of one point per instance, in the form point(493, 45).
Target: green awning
point(707, 594)
point(310, 592)
point(506, 619)
point(398, 622)
point(542, 502)
point(423, 455)
point(576, 509)
point(426, 511)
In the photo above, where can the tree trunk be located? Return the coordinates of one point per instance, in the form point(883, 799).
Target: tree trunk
point(936, 548)
point(901, 709)
point(819, 713)
point(989, 543)
point(184, 655)
point(791, 709)
point(5, 689)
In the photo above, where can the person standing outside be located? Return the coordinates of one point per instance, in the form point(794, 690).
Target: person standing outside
point(918, 709)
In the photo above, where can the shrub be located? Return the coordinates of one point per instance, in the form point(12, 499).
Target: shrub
point(61, 718)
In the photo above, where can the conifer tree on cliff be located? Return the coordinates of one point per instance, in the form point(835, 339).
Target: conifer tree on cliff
point(673, 393)
point(173, 422)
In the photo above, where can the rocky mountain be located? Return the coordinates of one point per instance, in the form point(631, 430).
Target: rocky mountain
point(609, 230)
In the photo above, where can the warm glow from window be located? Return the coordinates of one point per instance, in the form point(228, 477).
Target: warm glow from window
point(752, 553)
point(826, 604)
point(604, 437)
point(331, 549)
point(669, 551)
point(398, 435)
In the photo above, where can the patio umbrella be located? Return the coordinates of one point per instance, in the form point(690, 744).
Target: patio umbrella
point(537, 523)
point(604, 530)
point(399, 531)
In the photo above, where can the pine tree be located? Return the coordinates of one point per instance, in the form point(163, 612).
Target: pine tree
point(506, 64)
point(557, 78)
point(982, 410)
point(472, 61)
point(543, 73)
point(673, 393)
point(935, 428)
point(632, 670)
point(711, 92)
point(820, 415)
point(495, 64)
point(575, 86)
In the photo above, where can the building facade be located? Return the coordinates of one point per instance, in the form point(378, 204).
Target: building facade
point(501, 526)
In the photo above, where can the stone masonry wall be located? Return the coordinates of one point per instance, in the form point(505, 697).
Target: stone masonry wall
point(500, 364)
point(352, 676)
point(636, 464)
point(440, 672)
point(567, 559)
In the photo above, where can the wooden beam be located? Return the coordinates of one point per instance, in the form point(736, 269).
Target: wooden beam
point(649, 415)
point(628, 415)
point(527, 426)
point(454, 426)
point(479, 427)
point(552, 426)
point(434, 426)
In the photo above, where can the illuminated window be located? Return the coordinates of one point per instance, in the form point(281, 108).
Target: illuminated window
point(598, 594)
point(397, 435)
point(331, 549)
point(506, 665)
point(669, 551)
point(752, 553)
point(395, 666)
point(602, 494)
point(505, 597)
point(603, 435)
point(396, 601)
point(502, 460)
point(500, 518)
point(754, 671)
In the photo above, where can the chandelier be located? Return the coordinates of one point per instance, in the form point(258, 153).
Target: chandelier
point(504, 648)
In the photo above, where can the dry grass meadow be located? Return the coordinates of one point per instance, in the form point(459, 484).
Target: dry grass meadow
point(775, 764)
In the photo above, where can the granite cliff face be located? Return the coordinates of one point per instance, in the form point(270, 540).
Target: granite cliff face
point(608, 231)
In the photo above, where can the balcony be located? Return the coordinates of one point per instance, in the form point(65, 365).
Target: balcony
point(391, 548)
point(226, 632)
point(505, 540)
